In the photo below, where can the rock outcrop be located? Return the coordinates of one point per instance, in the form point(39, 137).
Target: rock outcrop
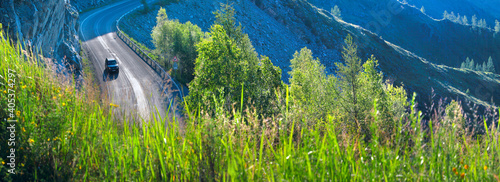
point(48, 25)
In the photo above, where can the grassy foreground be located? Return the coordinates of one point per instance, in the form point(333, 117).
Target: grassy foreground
point(65, 134)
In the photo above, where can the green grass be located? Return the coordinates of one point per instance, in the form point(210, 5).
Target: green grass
point(66, 134)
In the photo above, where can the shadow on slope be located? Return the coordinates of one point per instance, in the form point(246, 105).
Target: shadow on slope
point(399, 65)
point(439, 41)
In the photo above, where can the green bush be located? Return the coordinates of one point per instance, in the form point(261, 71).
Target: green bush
point(228, 66)
point(349, 94)
point(174, 39)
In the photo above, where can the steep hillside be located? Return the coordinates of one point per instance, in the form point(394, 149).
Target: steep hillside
point(271, 37)
point(439, 41)
point(89, 4)
point(490, 6)
point(50, 25)
point(279, 28)
point(435, 8)
point(416, 73)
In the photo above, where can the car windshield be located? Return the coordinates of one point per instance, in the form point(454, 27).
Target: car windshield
point(111, 62)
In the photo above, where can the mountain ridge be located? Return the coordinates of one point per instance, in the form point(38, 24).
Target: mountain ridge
point(301, 24)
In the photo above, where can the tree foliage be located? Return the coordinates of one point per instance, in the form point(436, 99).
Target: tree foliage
point(173, 38)
point(227, 67)
point(485, 67)
point(474, 20)
point(349, 95)
point(497, 26)
point(336, 12)
point(309, 83)
point(360, 86)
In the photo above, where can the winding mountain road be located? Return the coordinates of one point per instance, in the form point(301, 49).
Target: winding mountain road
point(136, 88)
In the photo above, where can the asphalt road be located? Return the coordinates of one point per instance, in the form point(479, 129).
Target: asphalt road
point(136, 88)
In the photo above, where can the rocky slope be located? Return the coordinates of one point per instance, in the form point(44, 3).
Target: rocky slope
point(438, 41)
point(399, 65)
point(487, 9)
point(89, 4)
point(279, 28)
point(268, 35)
point(49, 25)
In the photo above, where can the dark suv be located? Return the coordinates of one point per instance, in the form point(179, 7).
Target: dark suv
point(111, 65)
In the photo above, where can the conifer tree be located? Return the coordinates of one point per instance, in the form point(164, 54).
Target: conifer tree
point(489, 66)
point(451, 16)
point(466, 64)
point(336, 12)
point(497, 26)
point(349, 76)
point(474, 20)
point(464, 20)
point(482, 23)
point(472, 65)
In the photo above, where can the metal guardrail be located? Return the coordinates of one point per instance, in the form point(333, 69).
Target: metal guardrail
point(142, 54)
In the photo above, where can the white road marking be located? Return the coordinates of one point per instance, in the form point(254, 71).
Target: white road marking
point(136, 86)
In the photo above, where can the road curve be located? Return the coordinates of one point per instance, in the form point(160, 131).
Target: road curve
point(135, 88)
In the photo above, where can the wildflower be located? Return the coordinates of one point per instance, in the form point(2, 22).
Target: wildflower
point(462, 175)
point(22, 148)
point(18, 113)
point(32, 141)
point(466, 167)
point(60, 95)
point(32, 93)
point(5, 91)
point(23, 87)
point(24, 130)
point(63, 104)
point(55, 139)
point(113, 105)
point(54, 97)
point(22, 164)
point(456, 173)
point(80, 167)
point(48, 140)
point(485, 168)
point(3, 162)
point(454, 169)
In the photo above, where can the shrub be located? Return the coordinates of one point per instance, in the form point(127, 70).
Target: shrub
point(228, 66)
point(172, 38)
